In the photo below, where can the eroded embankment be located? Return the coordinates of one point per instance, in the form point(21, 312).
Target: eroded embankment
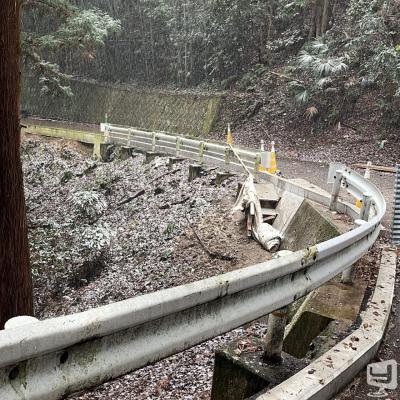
point(103, 232)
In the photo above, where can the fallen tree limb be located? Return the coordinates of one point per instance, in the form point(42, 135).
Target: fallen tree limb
point(139, 193)
point(205, 248)
point(379, 168)
point(286, 77)
point(182, 201)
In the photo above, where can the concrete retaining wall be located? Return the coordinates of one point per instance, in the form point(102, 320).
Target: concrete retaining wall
point(189, 114)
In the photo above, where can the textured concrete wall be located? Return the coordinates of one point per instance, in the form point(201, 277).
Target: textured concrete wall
point(307, 228)
point(189, 114)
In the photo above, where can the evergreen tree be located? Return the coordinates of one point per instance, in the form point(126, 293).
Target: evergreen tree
point(82, 30)
point(61, 28)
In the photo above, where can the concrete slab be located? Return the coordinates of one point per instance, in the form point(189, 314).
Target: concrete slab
point(286, 209)
point(307, 227)
point(333, 301)
point(267, 192)
point(150, 156)
point(240, 372)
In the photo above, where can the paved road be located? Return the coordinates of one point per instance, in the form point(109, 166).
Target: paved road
point(317, 173)
point(390, 349)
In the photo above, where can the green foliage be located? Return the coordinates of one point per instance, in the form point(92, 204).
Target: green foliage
point(185, 43)
point(324, 77)
point(169, 229)
point(373, 51)
point(335, 71)
point(66, 28)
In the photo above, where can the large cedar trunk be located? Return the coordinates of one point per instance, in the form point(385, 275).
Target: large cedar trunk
point(15, 274)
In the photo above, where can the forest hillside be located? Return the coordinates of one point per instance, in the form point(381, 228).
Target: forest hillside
point(320, 74)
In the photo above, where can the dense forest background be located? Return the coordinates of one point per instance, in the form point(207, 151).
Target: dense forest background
point(326, 53)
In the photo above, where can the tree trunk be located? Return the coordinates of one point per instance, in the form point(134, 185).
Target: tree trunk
point(15, 274)
point(320, 14)
point(311, 33)
point(325, 16)
point(318, 18)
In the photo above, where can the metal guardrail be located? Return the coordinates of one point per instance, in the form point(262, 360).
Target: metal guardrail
point(55, 357)
point(202, 151)
point(338, 366)
point(396, 209)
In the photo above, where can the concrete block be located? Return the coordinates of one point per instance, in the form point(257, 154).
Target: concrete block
point(332, 302)
point(195, 171)
point(174, 160)
point(100, 151)
point(307, 227)
point(125, 153)
point(240, 371)
point(286, 209)
point(150, 156)
point(221, 177)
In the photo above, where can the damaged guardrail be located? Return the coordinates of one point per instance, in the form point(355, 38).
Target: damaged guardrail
point(203, 151)
point(55, 357)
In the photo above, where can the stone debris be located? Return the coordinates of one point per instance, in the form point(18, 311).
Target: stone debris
point(90, 247)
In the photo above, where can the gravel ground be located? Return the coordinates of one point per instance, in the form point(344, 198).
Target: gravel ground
point(138, 247)
point(104, 232)
point(89, 249)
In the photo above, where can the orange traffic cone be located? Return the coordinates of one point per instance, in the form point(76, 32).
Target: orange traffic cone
point(229, 137)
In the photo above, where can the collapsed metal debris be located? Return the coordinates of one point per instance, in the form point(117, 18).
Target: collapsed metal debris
point(264, 233)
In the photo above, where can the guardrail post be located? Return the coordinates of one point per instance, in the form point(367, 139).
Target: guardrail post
point(335, 190)
point(366, 206)
point(257, 164)
point(227, 157)
point(153, 141)
point(129, 136)
point(275, 335)
point(178, 145)
point(107, 133)
point(99, 151)
point(201, 152)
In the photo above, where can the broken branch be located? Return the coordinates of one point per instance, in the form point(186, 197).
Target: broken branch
point(205, 248)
